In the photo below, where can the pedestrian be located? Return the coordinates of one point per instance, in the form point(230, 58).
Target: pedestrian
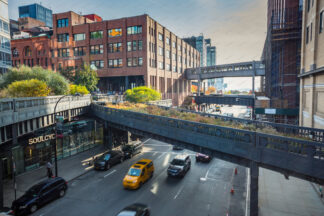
point(49, 167)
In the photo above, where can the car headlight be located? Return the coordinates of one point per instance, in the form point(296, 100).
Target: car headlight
point(23, 207)
point(134, 181)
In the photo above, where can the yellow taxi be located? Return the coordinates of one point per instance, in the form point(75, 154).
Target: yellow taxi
point(139, 173)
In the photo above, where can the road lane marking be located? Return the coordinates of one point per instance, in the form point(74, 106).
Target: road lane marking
point(146, 140)
point(157, 145)
point(110, 173)
point(247, 191)
point(206, 176)
point(179, 191)
point(160, 156)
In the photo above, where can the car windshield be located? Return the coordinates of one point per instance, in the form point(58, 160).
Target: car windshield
point(104, 157)
point(126, 147)
point(177, 162)
point(134, 172)
point(34, 191)
point(127, 213)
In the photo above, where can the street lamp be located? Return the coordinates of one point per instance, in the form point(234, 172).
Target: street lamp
point(55, 151)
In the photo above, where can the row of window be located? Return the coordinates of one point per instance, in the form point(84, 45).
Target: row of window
point(5, 43)
point(4, 26)
point(161, 66)
point(134, 45)
point(134, 62)
point(62, 23)
point(309, 29)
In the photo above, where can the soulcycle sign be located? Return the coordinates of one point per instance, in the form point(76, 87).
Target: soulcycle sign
point(42, 138)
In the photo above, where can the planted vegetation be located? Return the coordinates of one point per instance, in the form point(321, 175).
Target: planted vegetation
point(173, 113)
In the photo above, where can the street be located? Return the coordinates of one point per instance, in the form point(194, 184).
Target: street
point(205, 190)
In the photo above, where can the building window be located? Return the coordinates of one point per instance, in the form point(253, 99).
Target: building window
point(321, 23)
point(65, 52)
point(79, 51)
point(160, 37)
point(167, 54)
point(134, 62)
point(174, 57)
point(179, 47)
point(96, 49)
point(174, 69)
point(134, 30)
point(79, 37)
point(134, 45)
point(308, 5)
point(63, 37)
point(307, 35)
point(140, 45)
point(96, 35)
point(115, 47)
point(160, 51)
point(99, 64)
point(311, 32)
point(180, 59)
point(129, 46)
point(174, 44)
point(28, 51)
point(161, 66)
point(115, 63)
point(15, 52)
point(168, 41)
point(62, 23)
point(168, 67)
point(115, 32)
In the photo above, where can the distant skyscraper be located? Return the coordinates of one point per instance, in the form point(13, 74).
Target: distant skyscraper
point(38, 12)
point(200, 44)
point(5, 51)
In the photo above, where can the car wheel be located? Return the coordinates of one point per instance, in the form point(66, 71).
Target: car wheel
point(107, 166)
point(33, 208)
point(140, 185)
point(62, 193)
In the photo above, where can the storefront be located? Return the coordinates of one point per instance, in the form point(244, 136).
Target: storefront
point(38, 148)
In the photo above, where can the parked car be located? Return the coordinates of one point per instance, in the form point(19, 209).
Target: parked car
point(176, 147)
point(202, 158)
point(108, 159)
point(135, 209)
point(38, 195)
point(132, 148)
point(138, 174)
point(179, 166)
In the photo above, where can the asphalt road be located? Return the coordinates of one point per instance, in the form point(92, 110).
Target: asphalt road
point(205, 190)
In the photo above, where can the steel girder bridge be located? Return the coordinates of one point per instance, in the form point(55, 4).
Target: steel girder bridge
point(292, 157)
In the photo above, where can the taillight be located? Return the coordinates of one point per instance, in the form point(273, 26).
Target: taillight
point(66, 182)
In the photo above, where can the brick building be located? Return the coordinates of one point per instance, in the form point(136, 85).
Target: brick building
point(127, 52)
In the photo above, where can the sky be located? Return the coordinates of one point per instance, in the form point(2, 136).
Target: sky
point(236, 27)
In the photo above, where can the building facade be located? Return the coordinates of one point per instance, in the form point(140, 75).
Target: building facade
point(37, 12)
point(5, 52)
point(312, 65)
point(126, 52)
point(282, 58)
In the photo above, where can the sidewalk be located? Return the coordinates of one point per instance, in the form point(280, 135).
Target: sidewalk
point(68, 168)
point(319, 190)
point(281, 197)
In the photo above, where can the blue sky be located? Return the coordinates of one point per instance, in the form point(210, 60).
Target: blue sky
point(237, 27)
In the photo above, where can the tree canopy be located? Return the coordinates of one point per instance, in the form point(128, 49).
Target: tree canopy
point(57, 84)
point(142, 94)
point(78, 89)
point(87, 77)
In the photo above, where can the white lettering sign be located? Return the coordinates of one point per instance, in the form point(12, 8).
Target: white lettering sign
point(270, 111)
point(41, 139)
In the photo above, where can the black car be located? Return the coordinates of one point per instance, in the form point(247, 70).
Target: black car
point(132, 149)
point(203, 158)
point(179, 166)
point(136, 209)
point(108, 159)
point(38, 195)
point(176, 147)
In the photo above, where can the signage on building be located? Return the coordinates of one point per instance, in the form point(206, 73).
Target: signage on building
point(41, 139)
point(270, 111)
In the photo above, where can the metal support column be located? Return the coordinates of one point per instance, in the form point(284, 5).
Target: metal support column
point(199, 85)
point(108, 136)
point(254, 189)
point(1, 184)
point(126, 83)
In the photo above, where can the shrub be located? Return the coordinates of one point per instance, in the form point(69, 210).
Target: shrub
point(78, 89)
point(142, 94)
point(28, 88)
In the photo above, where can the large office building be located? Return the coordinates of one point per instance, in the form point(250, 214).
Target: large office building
point(37, 12)
point(126, 52)
point(5, 52)
point(207, 58)
point(282, 58)
point(312, 66)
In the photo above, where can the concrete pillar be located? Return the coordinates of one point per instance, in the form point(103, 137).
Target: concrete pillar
point(1, 184)
point(199, 84)
point(14, 134)
point(126, 83)
point(107, 136)
point(254, 189)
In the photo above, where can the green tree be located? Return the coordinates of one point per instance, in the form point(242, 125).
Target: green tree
point(87, 77)
point(28, 88)
point(78, 89)
point(56, 82)
point(142, 94)
point(68, 73)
